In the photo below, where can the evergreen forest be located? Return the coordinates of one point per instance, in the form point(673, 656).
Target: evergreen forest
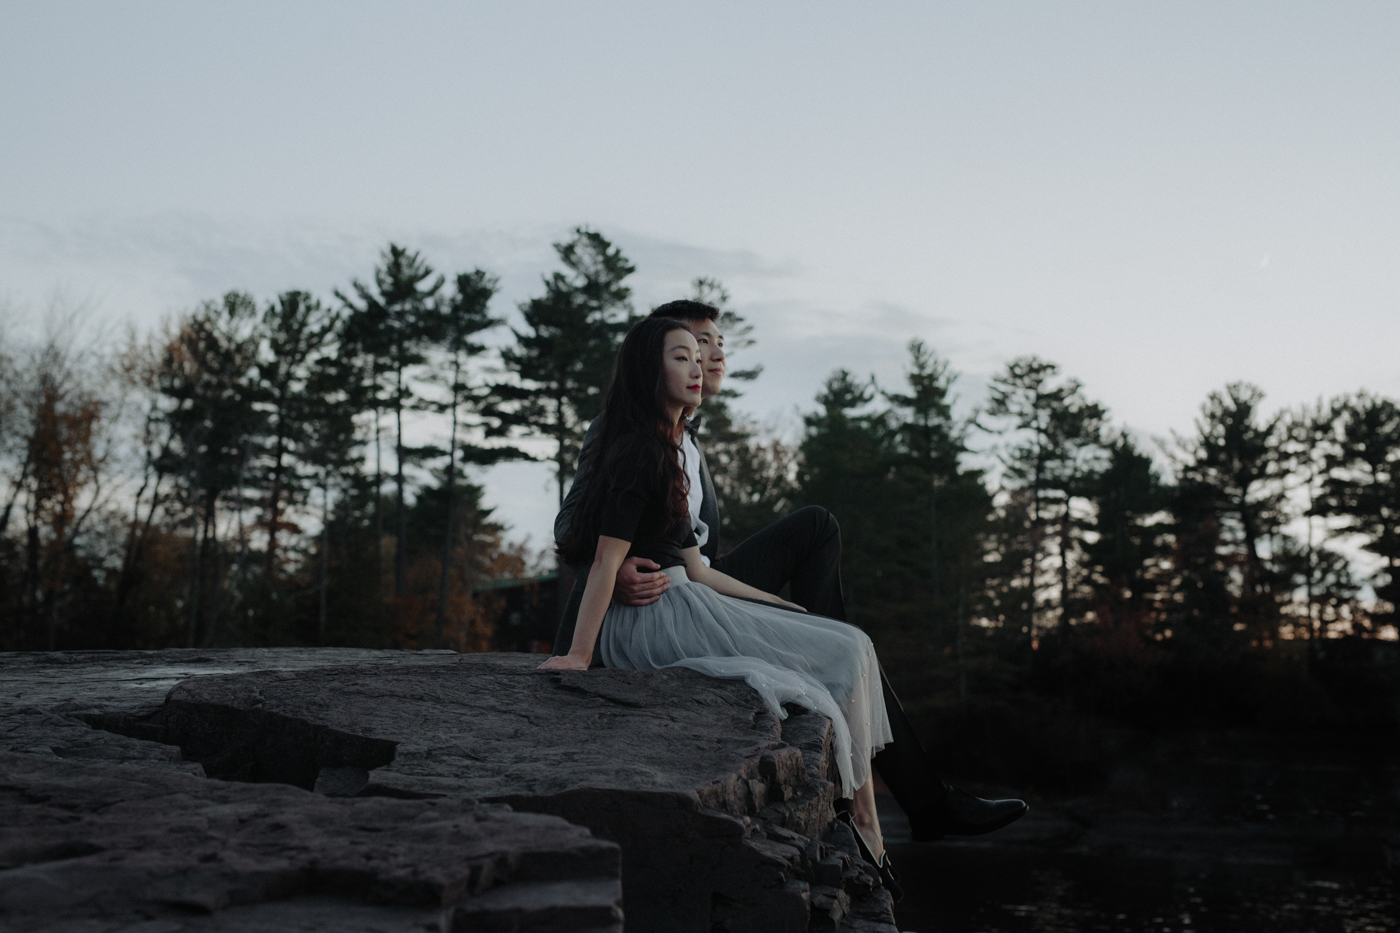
point(304, 470)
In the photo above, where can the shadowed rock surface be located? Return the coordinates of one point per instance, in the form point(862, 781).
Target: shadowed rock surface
point(50, 701)
point(83, 842)
point(723, 813)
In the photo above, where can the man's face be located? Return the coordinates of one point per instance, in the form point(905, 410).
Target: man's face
point(711, 341)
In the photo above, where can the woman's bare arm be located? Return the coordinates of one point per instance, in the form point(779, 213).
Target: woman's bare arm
point(723, 583)
point(597, 594)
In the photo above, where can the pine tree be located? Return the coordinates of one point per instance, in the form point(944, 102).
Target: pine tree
point(1230, 506)
point(1362, 488)
point(1130, 539)
point(844, 465)
point(329, 449)
point(946, 505)
point(392, 324)
point(1311, 442)
point(463, 315)
point(563, 358)
point(296, 328)
point(208, 375)
point(1052, 446)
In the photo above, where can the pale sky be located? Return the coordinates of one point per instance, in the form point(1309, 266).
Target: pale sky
point(1161, 198)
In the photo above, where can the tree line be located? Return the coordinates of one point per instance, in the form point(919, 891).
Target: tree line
point(299, 471)
point(295, 471)
point(1031, 571)
point(1071, 524)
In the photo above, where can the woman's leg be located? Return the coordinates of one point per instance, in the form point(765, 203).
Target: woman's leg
point(872, 842)
point(867, 820)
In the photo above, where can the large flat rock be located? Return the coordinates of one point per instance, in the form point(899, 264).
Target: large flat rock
point(50, 701)
point(722, 812)
point(87, 847)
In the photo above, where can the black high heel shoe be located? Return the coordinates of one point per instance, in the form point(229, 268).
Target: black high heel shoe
point(888, 876)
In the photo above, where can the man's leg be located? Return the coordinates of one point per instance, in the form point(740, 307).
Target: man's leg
point(804, 549)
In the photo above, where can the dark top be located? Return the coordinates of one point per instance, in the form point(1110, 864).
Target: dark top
point(587, 461)
point(635, 508)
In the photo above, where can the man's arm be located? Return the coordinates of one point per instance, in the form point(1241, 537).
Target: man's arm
point(587, 461)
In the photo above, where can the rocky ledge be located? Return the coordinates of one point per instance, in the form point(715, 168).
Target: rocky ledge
point(359, 790)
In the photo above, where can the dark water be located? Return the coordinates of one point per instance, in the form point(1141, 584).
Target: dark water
point(1220, 833)
point(957, 889)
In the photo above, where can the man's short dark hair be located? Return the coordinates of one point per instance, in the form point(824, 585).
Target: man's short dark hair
point(686, 310)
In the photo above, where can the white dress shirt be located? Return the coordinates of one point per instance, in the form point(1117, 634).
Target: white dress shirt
point(690, 460)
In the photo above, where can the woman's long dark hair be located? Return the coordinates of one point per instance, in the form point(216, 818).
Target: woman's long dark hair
point(635, 405)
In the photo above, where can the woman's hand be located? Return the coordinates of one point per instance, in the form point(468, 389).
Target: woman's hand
point(698, 572)
point(597, 593)
point(564, 662)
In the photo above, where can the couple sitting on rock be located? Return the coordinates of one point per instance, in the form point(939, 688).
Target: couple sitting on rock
point(640, 530)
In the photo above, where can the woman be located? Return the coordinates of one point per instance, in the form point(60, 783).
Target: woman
point(635, 505)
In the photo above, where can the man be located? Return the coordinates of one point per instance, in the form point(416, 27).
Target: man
point(802, 550)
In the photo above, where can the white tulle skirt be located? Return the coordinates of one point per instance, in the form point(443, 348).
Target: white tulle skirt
point(788, 657)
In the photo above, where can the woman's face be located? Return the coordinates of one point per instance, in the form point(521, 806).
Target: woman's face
point(680, 365)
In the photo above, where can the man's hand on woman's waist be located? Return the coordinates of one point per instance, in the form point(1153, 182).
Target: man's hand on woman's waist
point(640, 582)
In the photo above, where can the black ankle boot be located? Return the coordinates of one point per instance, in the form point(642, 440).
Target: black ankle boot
point(961, 814)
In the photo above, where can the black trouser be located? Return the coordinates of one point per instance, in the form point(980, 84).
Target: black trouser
point(804, 550)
